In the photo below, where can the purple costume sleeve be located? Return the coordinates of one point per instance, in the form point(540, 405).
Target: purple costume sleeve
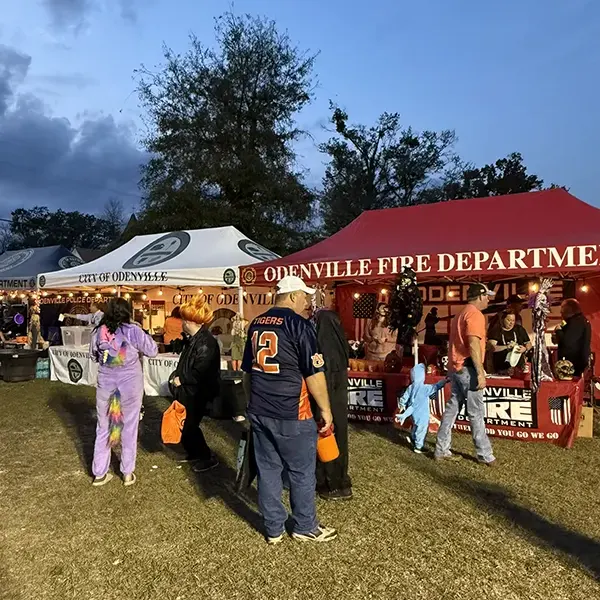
point(143, 342)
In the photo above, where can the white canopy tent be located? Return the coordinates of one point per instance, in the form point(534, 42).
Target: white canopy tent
point(202, 257)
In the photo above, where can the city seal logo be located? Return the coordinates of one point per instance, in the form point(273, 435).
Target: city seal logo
point(161, 250)
point(42, 281)
point(256, 250)
point(318, 361)
point(32, 283)
point(14, 259)
point(75, 371)
point(249, 276)
point(66, 262)
point(229, 276)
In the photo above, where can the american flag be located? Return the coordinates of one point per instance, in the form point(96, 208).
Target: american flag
point(363, 310)
point(560, 410)
point(437, 403)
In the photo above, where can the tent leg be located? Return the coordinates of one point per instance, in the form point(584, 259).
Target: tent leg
point(241, 301)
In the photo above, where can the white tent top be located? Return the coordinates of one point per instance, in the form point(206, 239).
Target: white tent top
point(209, 257)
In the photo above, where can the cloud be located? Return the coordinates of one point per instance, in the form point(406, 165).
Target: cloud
point(74, 80)
point(73, 15)
point(50, 161)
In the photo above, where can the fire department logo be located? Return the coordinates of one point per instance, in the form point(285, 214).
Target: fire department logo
point(256, 250)
point(42, 281)
point(249, 276)
point(318, 361)
point(159, 251)
point(75, 371)
point(66, 262)
point(14, 259)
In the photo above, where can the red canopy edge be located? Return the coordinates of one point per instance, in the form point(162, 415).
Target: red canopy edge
point(549, 232)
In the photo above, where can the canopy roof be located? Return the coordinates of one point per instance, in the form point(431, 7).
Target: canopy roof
point(548, 232)
point(180, 258)
point(19, 268)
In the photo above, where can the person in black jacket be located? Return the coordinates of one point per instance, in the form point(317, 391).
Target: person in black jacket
point(197, 380)
point(333, 481)
point(574, 336)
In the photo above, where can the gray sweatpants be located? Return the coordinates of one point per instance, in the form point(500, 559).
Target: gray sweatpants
point(464, 383)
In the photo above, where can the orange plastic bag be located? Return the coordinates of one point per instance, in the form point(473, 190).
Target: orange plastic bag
point(172, 423)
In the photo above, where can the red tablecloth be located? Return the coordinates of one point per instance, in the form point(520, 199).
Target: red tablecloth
point(513, 411)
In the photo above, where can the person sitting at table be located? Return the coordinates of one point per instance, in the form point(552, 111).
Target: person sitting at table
point(173, 328)
point(503, 337)
point(379, 340)
point(574, 336)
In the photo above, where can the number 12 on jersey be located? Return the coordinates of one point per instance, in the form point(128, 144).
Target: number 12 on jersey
point(265, 345)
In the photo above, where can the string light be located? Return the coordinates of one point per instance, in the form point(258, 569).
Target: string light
point(127, 296)
point(221, 296)
point(144, 296)
point(59, 297)
point(98, 295)
point(451, 294)
point(160, 291)
point(245, 294)
point(384, 292)
point(85, 294)
point(200, 291)
point(356, 296)
point(534, 288)
point(270, 294)
point(70, 294)
point(585, 288)
point(22, 296)
point(114, 290)
point(45, 294)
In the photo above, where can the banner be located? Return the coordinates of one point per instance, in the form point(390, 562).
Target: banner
point(512, 411)
point(156, 374)
point(515, 261)
point(72, 366)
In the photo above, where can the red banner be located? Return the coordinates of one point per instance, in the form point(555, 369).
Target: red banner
point(512, 410)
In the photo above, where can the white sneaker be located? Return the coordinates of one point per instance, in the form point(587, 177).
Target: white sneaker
point(99, 481)
point(273, 541)
point(322, 534)
point(418, 450)
point(129, 479)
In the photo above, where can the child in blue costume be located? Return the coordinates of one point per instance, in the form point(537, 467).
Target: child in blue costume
point(416, 401)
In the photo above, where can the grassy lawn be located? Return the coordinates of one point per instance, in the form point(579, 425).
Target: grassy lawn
point(529, 529)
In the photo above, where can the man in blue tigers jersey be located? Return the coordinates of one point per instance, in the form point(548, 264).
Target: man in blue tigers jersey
point(282, 367)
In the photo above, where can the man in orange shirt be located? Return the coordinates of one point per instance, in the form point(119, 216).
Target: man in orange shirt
point(465, 365)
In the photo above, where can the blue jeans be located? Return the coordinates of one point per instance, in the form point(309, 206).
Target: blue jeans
point(292, 445)
point(464, 384)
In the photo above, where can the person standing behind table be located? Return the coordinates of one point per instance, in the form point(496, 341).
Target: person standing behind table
point(574, 337)
point(503, 338)
point(173, 328)
point(93, 318)
point(467, 375)
point(431, 320)
point(117, 345)
point(333, 481)
point(281, 367)
point(379, 340)
point(197, 380)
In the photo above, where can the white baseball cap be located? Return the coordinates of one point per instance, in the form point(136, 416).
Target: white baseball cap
point(291, 284)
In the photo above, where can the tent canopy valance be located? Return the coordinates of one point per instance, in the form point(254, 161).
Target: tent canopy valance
point(549, 232)
point(19, 268)
point(209, 257)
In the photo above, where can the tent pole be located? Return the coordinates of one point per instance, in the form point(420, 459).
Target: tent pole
point(118, 291)
point(241, 301)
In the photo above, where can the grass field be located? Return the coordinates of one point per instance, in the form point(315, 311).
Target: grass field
point(529, 529)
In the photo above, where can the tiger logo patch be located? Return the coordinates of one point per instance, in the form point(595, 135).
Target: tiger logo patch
point(318, 361)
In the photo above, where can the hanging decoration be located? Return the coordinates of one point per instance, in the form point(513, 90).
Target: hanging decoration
point(406, 307)
point(540, 303)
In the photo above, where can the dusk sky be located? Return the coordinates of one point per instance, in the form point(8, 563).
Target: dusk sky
point(511, 76)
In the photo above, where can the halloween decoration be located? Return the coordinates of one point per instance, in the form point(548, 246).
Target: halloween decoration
point(540, 309)
point(564, 370)
point(406, 307)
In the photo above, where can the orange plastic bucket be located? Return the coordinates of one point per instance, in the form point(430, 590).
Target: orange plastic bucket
point(327, 448)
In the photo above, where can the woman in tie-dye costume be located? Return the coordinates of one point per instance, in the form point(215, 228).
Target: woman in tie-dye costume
point(117, 346)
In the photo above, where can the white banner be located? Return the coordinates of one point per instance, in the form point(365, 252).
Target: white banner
point(72, 365)
point(156, 374)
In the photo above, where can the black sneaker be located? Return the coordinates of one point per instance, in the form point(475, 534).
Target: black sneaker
point(205, 465)
point(345, 494)
point(322, 534)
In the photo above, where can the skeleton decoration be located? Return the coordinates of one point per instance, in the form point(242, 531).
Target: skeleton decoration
point(406, 307)
point(540, 309)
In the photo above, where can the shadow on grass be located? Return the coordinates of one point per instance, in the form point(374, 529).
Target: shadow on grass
point(494, 499)
point(220, 482)
point(149, 432)
point(79, 416)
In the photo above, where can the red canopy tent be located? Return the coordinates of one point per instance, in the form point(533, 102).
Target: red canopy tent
point(549, 232)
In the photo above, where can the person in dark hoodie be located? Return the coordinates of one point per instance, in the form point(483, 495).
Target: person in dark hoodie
point(197, 380)
point(333, 481)
point(574, 336)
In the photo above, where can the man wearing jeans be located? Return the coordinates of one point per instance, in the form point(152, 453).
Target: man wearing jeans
point(466, 354)
point(282, 367)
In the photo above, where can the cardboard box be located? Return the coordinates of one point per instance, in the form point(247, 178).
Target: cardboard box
point(586, 425)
